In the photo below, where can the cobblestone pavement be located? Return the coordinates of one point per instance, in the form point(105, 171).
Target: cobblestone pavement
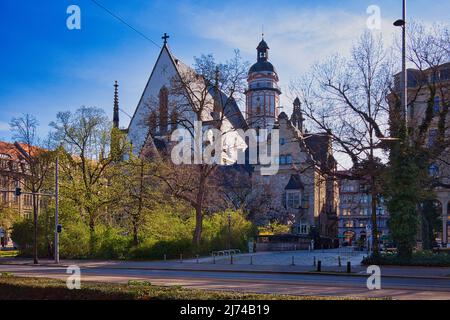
point(329, 257)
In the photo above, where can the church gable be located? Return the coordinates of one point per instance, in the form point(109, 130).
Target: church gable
point(162, 106)
point(154, 99)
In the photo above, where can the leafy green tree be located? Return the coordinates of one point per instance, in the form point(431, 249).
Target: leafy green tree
point(87, 163)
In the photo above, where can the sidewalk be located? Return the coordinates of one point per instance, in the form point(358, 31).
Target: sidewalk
point(189, 265)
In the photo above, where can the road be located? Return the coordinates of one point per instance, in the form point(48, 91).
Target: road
point(294, 284)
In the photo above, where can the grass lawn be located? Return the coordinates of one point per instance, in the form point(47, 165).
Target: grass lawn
point(12, 288)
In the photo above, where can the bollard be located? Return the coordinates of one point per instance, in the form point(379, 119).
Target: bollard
point(181, 258)
point(339, 261)
point(165, 257)
point(197, 257)
point(293, 261)
point(314, 263)
point(251, 260)
point(214, 259)
point(349, 267)
point(231, 259)
point(319, 266)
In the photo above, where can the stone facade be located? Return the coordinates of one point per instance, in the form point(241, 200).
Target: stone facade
point(355, 214)
point(301, 193)
point(420, 87)
point(12, 173)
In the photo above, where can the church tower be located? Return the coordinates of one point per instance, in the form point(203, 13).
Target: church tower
point(297, 115)
point(263, 93)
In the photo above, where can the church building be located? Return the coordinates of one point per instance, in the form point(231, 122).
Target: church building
point(302, 192)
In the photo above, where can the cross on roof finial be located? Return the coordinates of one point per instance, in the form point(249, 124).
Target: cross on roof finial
point(165, 37)
point(262, 31)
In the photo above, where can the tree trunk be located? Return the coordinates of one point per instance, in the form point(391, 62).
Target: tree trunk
point(91, 236)
point(35, 233)
point(198, 226)
point(135, 233)
point(375, 243)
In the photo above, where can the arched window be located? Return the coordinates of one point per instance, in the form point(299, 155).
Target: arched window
point(174, 120)
point(153, 122)
point(163, 109)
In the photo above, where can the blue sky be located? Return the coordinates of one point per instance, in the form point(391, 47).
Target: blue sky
point(46, 68)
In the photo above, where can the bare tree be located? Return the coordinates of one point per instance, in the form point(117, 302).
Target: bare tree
point(346, 97)
point(206, 94)
point(38, 160)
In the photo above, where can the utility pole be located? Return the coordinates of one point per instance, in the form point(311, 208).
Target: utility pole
point(57, 210)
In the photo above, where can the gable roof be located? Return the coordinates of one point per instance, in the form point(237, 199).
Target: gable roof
point(231, 109)
point(295, 183)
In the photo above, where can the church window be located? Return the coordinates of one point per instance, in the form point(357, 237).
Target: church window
point(282, 141)
point(163, 109)
point(282, 159)
point(152, 122)
point(174, 120)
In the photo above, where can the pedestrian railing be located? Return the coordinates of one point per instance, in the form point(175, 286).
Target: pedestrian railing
point(225, 252)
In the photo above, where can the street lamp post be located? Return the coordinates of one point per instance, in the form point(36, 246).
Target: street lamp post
point(229, 230)
point(57, 211)
point(404, 78)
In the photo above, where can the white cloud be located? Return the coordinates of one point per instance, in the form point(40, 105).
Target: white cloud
point(297, 37)
point(4, 126)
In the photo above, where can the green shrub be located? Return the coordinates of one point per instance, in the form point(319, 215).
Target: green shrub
point(419, 258)
point(162, 233)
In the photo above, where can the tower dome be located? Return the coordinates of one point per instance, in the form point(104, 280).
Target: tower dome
point(262, 95)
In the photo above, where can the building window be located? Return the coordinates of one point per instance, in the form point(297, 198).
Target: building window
point(293, 200)
point(365, 198)
point(163, 109)
point(433, 170)
point(288, 159)
point(364, 212)
point(436, 105)
point(153, 122)
point(174, 120)
point(348, 224)
point(432, 136)
point(282, 141)
point(303, 229)
point(346, 212)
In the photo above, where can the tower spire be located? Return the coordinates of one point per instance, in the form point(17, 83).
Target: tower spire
point(297, 115)
point(116, 106)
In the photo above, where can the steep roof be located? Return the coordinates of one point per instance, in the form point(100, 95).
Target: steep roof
point(295, 183)
point(15, 151)
point(231, 109)
point(318, 144)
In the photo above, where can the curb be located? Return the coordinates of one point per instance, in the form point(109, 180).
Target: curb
point(324, 273)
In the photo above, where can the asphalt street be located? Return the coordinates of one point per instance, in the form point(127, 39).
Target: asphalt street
point(294, 284)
